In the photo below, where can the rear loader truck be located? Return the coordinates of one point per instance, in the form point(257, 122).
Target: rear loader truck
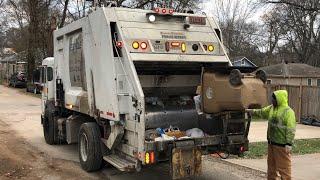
point(122, 84)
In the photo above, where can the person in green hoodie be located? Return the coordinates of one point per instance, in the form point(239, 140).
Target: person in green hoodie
point(280, 135)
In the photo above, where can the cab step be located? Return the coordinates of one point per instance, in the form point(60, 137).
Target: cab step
point(119, 162)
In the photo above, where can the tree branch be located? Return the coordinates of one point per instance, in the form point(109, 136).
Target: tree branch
point(290, 3)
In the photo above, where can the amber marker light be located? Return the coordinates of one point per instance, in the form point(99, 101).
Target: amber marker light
point(147, 158)
point(183, 47)
point(135, 45)
point(210, 48)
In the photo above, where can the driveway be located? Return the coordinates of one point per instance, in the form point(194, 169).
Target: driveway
point(303, 166)
point(258, 131)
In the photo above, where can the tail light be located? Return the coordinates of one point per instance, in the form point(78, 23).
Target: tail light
point(163, 11)
point(175, 44)
point(149, 157)
point(241, 149)
point(119, 44)
point(143, 45)
point(152, 157)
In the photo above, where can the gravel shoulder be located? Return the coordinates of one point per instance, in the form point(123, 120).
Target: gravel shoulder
point(19, 160)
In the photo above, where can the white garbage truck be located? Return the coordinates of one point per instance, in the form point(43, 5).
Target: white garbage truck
point(122, 83)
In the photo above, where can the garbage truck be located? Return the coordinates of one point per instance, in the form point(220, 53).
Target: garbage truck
point(122, 84)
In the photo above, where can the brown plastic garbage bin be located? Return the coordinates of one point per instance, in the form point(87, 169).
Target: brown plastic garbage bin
point(218, 94)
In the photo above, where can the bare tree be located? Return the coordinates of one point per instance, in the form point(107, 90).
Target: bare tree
point(300, 21)
point(273, 31)
point(33, 6)
point(239, 35)
point(303, 5)
point(64, 13)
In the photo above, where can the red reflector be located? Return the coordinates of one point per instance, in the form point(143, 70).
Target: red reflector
point(241, 149)
point(175, 44)
point(157, 10)
point(171, 11)
point(143, 45)
point(167, 46)
point(110, 114)
point(152, 158)
point(164, 11)
point(119, 44)
point(205, 47)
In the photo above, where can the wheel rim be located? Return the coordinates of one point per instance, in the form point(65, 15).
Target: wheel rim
point(84, 146)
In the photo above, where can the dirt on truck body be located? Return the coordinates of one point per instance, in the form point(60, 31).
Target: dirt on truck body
point(122, 85)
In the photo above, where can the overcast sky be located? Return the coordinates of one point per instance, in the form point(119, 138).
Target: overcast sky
point(209, 6)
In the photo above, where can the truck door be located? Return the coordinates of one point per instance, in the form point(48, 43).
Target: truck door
point(49, 83)
point(44, 90)
point(46, 79)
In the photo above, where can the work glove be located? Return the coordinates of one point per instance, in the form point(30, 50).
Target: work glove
point(288, 148)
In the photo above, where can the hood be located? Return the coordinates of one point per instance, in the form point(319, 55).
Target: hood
point(281, 97)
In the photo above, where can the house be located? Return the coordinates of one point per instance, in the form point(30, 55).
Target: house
point(243, 61)
point(10, 65)
point(294, 74)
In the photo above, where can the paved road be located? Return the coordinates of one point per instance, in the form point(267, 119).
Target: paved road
point(22, 113)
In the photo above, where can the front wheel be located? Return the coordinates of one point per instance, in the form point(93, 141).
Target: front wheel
point(50, 125)
point(89, 146)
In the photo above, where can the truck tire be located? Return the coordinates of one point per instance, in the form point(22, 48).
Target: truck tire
point(49, 125)
point(89, 147)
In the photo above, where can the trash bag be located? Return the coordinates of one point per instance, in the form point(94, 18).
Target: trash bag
point(195, 132)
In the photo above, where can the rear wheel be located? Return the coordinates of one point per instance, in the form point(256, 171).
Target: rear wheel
point(89, 146)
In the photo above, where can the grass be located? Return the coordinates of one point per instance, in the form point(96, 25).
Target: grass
point(302, 146)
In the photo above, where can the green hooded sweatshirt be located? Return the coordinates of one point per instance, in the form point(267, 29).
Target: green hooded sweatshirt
point(281, 119)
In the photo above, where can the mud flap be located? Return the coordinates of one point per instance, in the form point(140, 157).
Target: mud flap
point(185, 162)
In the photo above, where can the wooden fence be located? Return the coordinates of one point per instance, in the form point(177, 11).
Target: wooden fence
point(304, 100)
